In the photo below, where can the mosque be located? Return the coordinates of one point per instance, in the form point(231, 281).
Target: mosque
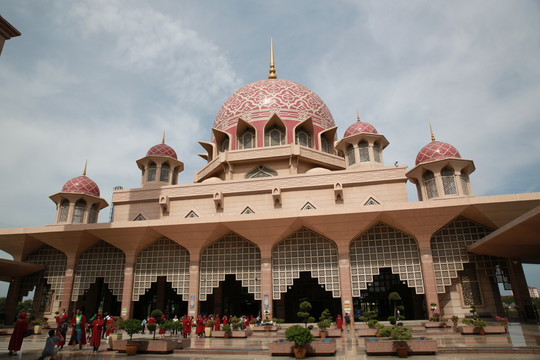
point(283, 211)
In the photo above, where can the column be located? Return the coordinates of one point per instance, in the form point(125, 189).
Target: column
point(12, 300)
point(266, 284)
point(520, 291)
point(68, 283)
point(428, 273)
point(345, 284)
point(194, 279)
point(127, 291)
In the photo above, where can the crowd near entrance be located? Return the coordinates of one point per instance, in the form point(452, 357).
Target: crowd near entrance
point(308, 289)
point(231, 298)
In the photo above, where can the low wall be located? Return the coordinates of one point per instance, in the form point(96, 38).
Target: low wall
point(281, 347)
point(387, 347)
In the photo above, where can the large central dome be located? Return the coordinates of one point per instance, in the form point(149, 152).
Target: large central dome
point(260, 100)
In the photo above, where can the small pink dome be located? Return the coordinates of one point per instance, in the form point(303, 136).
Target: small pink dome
point(436, 150)
point(81, 185)
point(359, 128)
point(162, 150)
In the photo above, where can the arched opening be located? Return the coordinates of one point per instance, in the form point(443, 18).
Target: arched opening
point(78, 213)
point(231, 298)
point(430, 185)
point(350, 154)
point(224, 145)
point(375, 298)
point(363, 146)
point(377, 152)
point(162, 296)
point(274, 136)
point(98, 298)
point(151, 175)
point(93, 214)
point(164, 173)
point(303, 137)
point(449, 183)
point(64, 209)
point(306, 288)
point(246, 139)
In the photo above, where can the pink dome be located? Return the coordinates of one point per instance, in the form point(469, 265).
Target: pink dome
point(162, 150)
point(359, 128)
point(81, 185)
point(436, 150)
point(258, 101)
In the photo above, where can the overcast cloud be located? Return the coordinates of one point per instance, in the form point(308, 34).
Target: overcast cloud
point(101, 80)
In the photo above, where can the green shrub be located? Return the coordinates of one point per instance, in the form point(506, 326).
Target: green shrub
point(323, 325)
point(299, 335)
point(131, 326)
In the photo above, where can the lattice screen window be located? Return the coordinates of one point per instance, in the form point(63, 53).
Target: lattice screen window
point(55, 270)
point(429, 183)
point(383, 246)
point(449, 183)
point(449, 250)
point(163, 258)
point(100, 261)
point(232, 254)
point(470, 288)
point(305, 250)
point(464, 182)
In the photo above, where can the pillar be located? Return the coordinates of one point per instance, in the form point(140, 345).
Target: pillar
point(12, 300)
point(345, 284)
point(194, 279)
point(520, 290)
point(266, 283)
point(68, 283)
point(127, 291)
point(428, 273)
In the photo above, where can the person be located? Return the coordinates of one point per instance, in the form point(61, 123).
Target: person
point(348, 321)
point(63, 330)
point(339, 322)
point(151, 320)
point(187, 326)
point(218, 323)
point(175, 319)
point(78, 334)
point(110, 326)
point(199, 330)
point(224, 320)
point(143, 324)
point(54, 338)
point(163, 321)
point(97, 327)
point(19, 332)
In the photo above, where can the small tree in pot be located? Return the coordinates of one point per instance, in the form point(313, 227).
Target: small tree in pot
point(301, 336)
point(303, 314)
point(131, 327)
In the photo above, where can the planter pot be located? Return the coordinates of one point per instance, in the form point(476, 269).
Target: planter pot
point(388, 347)
point(37, 329)
point(283, 347)
point(300, 352)
point(481, 332)
point(208, 331)
point(402, 352)
point(227, 335)
point(131, 349)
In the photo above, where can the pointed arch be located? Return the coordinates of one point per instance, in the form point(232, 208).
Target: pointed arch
point(246, 135)
point(101, 260)
point(275, 132)
point(247, 210)
point(231, 254)
point(383, 246)
point(166, 258)
point(261, 171)
point(79, 211)
point(305, 250)
point(191, 214)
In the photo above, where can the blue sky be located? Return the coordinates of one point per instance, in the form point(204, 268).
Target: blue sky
point(102, 80)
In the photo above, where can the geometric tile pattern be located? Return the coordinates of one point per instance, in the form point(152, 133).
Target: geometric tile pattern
point(100, 261)
point(260, 100)
point(162, 150)
point(470, 288)
point(55, 270)
point(449, 250)
point(163, 258)
point(305, 250)
point(81, 185)
point(436, 150)
point(383, 246)
point(232, 254)
point(359, 128)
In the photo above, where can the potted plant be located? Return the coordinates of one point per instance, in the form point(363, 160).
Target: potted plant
point(226, 331)
point(394, 298)
point(303, 314)
point(208, 327)
point(503, 321)
point(152, 328)
point(252, 323)
point(301, 336)
point(479, 326)
point(323, 325)
point(176, 327)
point(131, 327)
point(455, 320)
point(401, 334)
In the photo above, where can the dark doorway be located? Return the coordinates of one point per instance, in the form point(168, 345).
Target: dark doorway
point(231, 298)
point(98, 298)
point(161, 296)
point(375, 298)
point(308, 289)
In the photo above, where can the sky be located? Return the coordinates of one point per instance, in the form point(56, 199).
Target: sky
point(102, 80)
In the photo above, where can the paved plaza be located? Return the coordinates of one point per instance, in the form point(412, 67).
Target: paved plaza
point(521, 342)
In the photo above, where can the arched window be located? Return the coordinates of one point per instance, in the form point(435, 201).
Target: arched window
point(325, 145)
point(246, 140)
point(464, 182)
point(93, 214)
point(376, 153)
point(350, 154)
point(449, 184)
point(429, 183)
point(303, 137)
point(274, 136)
point(80, 209)
point(151, 176)
point(224, 146)
point(363, 146)
point(165, 170)
point(64, 209)
point(175, 176)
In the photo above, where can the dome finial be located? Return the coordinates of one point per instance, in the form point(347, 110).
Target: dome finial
point(432, 136)
point(85, 164)
point(357, 115)
point(163, 140)
point(272, 74)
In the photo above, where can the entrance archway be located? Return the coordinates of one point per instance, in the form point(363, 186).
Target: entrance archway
point(161, 295)
point(376, 297)
point(306, 288)
point(231, 298)
point(98, 298)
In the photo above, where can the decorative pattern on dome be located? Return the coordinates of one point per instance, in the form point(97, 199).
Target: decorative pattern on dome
point(261, 99)
point(81, 185)
point(162, 150)
point(359, 128)
point(436, 150)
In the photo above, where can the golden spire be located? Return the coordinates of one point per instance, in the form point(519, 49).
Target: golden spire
point(272, 74)
point(84, 172)
point(432, 136)
point(163, 140)
point(357, 115)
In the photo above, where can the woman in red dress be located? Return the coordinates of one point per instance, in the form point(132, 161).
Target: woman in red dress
point(199, 330)
point(21, 327)
point(110, 326)
point(163, 321)
point(186, 330)
point(339, 322)
point(224, 320)
point(218, 323)
point(97, 326)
